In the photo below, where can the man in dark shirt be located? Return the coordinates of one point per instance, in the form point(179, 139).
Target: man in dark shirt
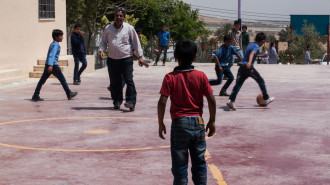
point(79, 53)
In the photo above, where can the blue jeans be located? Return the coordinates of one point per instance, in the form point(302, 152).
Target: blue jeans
point(82, 59)
point(118, 69)
point(233, 58)
point(58, 74)
point(227, 73)
point(244, 73)
point(188, 134)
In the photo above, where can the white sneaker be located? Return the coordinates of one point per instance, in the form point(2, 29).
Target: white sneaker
point(231, 105)
point(270, 100)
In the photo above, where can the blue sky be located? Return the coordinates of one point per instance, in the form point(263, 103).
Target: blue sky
point(261, 9)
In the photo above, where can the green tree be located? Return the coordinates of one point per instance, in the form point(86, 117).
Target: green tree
point(285, 34)
point(300, 42)
point(270, 38)
point(222, 31)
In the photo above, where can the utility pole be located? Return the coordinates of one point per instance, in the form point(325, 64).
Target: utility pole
point(239, 14)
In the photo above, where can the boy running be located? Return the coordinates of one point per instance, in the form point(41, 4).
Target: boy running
point(221, 68)
point(247, 70)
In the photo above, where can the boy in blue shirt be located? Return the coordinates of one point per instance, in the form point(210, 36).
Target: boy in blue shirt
point(52, 67)
point(247, 70)
point(163, 43)
point(221, 67)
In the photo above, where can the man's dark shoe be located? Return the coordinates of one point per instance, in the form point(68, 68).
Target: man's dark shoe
point(71, 95)
point(223, 93)
point(155, 64)
point(79, 80)
point(109, 88)
point(36, 98)
point(116, 106)
point(130, 106)
point(76, 83)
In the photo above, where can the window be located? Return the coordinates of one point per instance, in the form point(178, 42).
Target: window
point(46, 9)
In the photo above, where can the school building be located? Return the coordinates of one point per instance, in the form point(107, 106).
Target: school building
point(26, 33)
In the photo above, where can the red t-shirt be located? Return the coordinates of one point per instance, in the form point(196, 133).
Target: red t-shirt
point(186, 90)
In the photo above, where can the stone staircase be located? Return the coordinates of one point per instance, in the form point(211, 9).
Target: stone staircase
point(11, 75)
point(39, 69)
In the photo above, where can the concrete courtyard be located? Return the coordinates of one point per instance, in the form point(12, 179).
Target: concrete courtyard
point(85, 141)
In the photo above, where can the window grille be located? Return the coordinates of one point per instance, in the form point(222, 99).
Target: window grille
point(46, 9)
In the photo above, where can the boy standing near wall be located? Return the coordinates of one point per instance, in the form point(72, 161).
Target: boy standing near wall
point(52, 67)
point(186, 88)
point(79, 53)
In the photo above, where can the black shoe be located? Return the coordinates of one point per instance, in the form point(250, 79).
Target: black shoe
point(79, 80)
point(223, 93)
point(155, 64)
point(116, 106)
point(76, 83)
point(36, 98)
point(225, 78)
point(130, 106)
point(71, 95)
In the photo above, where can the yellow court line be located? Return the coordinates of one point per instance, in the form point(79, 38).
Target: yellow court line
point(214, 170)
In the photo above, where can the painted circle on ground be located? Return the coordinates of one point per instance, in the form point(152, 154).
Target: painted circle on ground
point(80, 150)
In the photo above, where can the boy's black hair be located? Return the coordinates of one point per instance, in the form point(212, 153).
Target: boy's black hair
point(308, 46)
point(260, 37)
point(138, 30)
point(121, 9)
point(56, 33)
point(164, 25)
point(244, 26)
point(78, 25)
point(227, 37)
point(185, 51)
point(236, 22)
point(271, 44)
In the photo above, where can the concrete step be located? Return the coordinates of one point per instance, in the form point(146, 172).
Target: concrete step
point(38, 74)
point(42, 67)
point(60, 62)
point(11, 75)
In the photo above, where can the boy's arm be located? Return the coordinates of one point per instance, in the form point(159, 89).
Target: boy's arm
point(248, 65)
point(212, 108)
point(217, 61)
point(239, 57)
point(161, 112)
point(51, 57)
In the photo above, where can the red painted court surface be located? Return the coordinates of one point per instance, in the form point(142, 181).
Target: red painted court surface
point(85, 142)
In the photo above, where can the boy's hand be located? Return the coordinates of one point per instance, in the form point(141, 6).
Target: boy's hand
point(50, 69)
point(101, 54)
point(143, 63)
point(162, 128)
point(248, 66)
point(221, 69)
point(210, 128)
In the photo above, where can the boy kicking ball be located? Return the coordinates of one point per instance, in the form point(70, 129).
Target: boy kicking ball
point(247, 70)
point(186, 88)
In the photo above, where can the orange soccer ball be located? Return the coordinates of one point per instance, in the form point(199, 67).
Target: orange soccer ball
point(260, 100)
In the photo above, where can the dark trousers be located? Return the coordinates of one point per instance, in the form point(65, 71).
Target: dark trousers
point(58, 74)
point(118, 69)
point(161, 49)
point(77, 72)
point(188, 137)
point(242, 74)
point(227, 73)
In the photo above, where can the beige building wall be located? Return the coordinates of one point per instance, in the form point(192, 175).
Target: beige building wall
point(25, 38)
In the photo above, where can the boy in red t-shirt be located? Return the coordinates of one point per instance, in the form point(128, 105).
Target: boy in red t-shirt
point(186, 88)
